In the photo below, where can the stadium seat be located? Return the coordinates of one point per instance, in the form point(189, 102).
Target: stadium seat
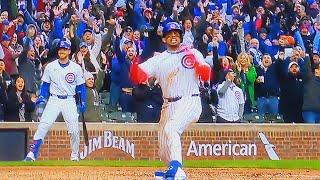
point(104, 97)
point(122, 117)
point(274, 118)
point(109, 108)
point(252, 118)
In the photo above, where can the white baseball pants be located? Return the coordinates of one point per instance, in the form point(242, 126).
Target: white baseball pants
point(175, 118)
point(68, 108)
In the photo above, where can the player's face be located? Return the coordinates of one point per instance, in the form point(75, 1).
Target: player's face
point(63, 53)
point(172, 39)
point(90, 82)
point(19, 84)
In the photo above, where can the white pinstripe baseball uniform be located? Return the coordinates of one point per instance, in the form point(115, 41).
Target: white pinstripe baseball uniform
point(63, 82)
point(177, 78)
point(229, 103)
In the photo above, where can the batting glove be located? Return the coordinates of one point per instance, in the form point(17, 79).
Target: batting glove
point(41, 100)
point(82, 107)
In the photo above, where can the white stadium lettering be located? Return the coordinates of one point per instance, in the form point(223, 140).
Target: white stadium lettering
point(110, 141)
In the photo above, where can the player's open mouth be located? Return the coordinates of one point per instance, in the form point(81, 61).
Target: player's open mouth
point(174, 40)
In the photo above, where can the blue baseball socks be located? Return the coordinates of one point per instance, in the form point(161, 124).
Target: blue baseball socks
point(34, 150)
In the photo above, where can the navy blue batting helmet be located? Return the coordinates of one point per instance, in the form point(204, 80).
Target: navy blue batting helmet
point(172, 26)
point(64, 44)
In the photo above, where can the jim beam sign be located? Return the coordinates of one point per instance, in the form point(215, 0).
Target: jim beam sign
point(108, 140)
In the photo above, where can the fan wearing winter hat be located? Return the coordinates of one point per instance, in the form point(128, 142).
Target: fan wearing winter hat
point(92, 113)
point(291, 92)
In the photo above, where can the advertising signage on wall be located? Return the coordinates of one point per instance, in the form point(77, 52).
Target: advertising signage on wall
point(109, 140)
point(231, 149)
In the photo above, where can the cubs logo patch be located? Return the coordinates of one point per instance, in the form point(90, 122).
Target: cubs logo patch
point(70, 78)
point(172, 26)
point(188, 61)
point(237, 94)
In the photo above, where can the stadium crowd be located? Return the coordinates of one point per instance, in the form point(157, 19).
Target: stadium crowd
point(268, 50)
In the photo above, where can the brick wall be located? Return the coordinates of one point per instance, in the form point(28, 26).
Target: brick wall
point(200, 141)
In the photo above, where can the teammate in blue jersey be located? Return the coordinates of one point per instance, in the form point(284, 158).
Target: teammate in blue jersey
point(61, 81)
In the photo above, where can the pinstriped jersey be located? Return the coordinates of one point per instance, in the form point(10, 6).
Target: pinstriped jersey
point(63, 80)
point(175, 72)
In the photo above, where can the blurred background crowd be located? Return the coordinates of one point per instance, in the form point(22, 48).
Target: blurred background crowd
point(269, 49)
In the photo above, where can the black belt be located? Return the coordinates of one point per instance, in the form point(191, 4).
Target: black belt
point(174, 99)
point(62, 96)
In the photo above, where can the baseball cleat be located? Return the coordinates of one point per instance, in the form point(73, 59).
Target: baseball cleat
point(179, 175)
point(159, 175)
point(75, 159)
point(30, 157)
point(175, 172)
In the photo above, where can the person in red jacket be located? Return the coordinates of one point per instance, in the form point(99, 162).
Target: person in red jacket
point(179, 71)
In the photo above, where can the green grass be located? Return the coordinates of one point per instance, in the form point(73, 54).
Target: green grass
point(266, 164)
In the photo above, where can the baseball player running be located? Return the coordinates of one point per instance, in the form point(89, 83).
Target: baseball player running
point(61, 80)
point(178, 70)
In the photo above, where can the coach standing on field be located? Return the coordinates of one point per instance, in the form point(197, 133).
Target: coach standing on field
point(231, 100)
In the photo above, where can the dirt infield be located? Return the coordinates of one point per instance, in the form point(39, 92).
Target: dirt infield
point(99, 173)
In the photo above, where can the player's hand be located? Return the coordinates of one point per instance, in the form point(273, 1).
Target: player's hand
point(82, 107)
point(41, 100)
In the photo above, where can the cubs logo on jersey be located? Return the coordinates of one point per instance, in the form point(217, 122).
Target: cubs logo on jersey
point(188, 61)
point(70, 77)
point(237, 94)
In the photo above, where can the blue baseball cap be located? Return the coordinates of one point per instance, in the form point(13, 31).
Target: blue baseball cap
point(64, 45)
point(87, 30)
point(82, 44)
point(128, 41)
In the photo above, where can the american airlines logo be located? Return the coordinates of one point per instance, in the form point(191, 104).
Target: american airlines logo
point(232, 149)
point(269, 147)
